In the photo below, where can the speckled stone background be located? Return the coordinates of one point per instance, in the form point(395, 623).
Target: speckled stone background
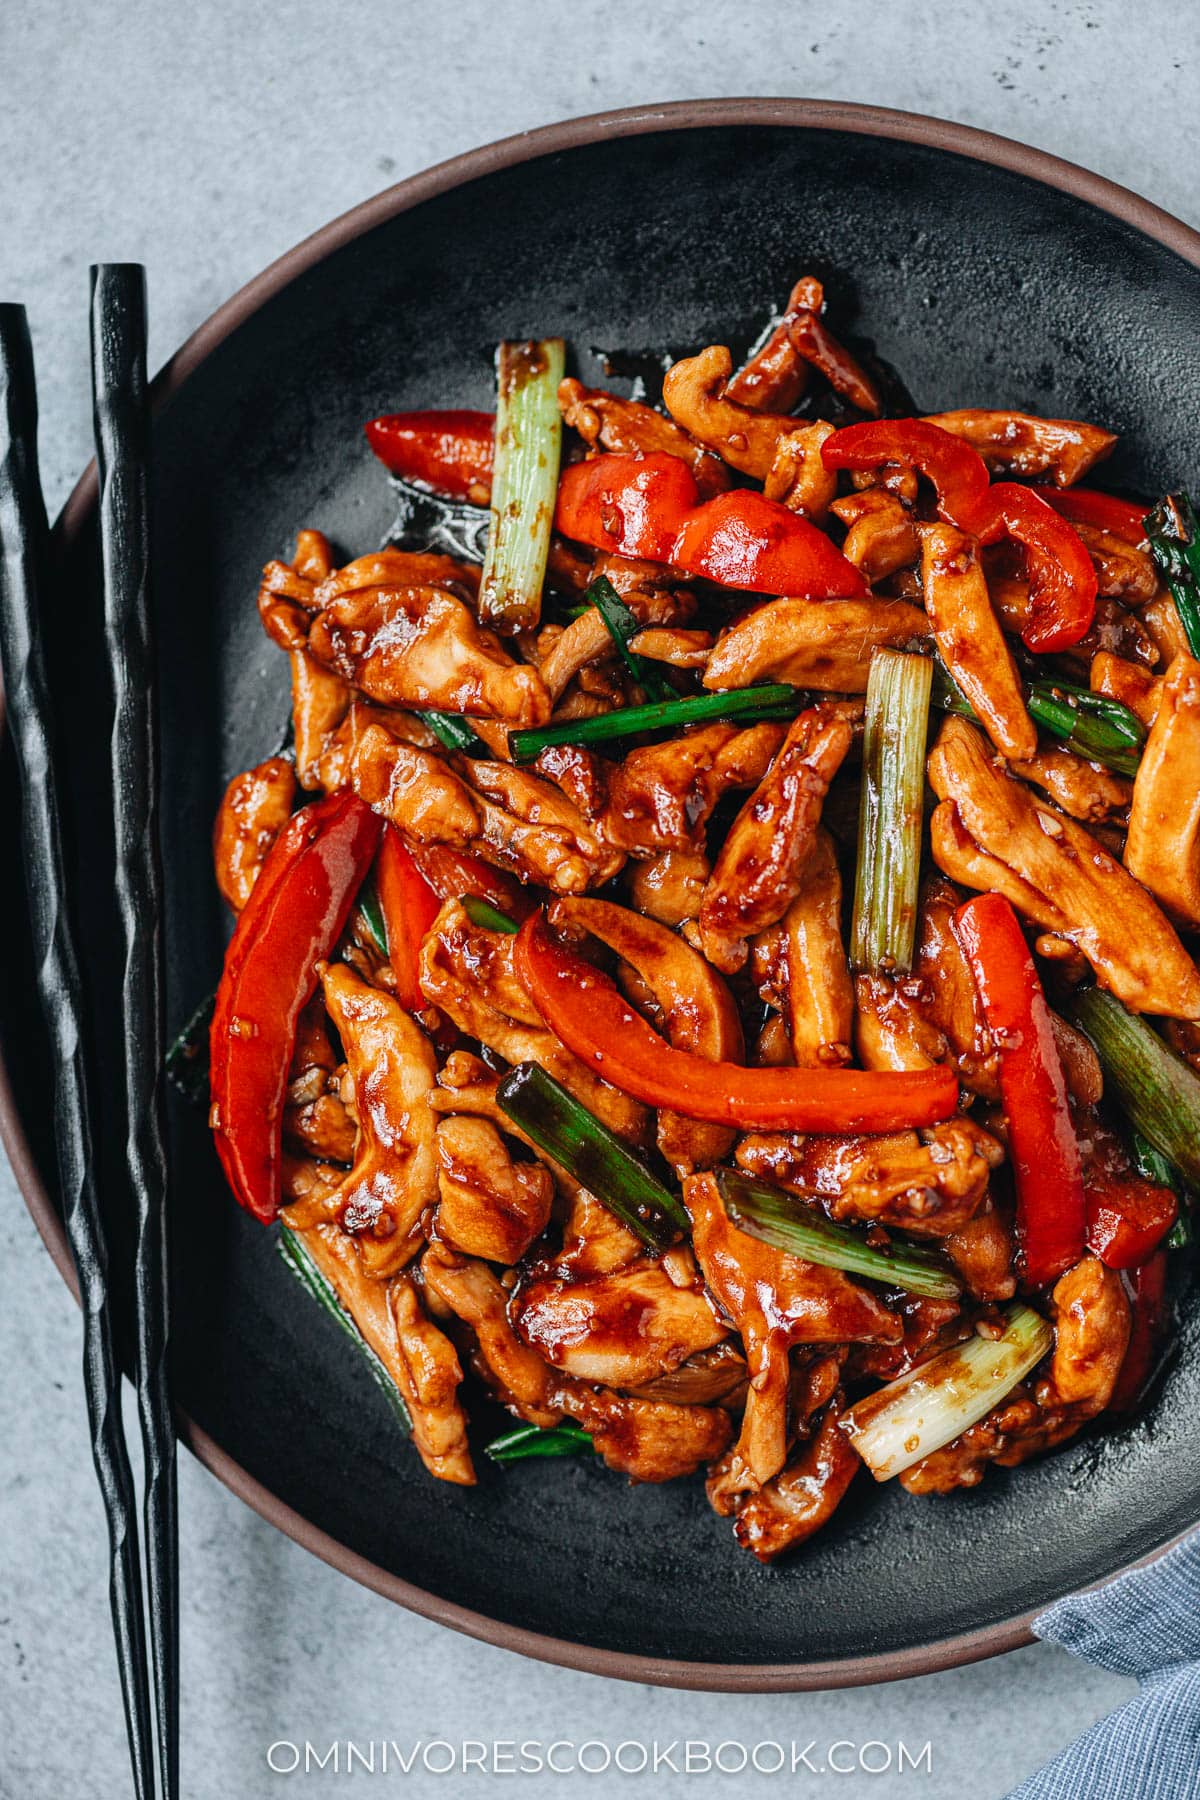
point(204, 139)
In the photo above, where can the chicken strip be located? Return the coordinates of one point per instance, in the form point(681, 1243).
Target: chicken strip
point(648, 1440)
point(695, 397)
point(420, 646)
point(1086, 790)
point(802, 1497)
point(511, 818)
point(470, 1290)
point(799, 479)
point(969, 638)
point(1163, 846)
point(822, 644)
point(800, 965)
point(419, 1358)
point(620, 1329)
point(662, 795)
point(775, 1301)
point(990, 833)
point(775, 375)
point(489, 1206)
point(930, 1184)
point(1017, 443)
point(881, 534)
point(760, 867)
point(254, 810)
point(391, 1065)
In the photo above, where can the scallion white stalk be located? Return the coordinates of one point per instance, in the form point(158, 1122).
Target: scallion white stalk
point(933, 1404)
point(524, 483)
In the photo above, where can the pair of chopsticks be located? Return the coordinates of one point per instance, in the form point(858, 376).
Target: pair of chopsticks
point(118, 345)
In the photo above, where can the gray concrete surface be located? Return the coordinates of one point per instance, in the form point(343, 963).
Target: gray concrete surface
point(204, 139)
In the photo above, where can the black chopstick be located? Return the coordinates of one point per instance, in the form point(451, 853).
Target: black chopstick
point(23, 545)
point(122, 429)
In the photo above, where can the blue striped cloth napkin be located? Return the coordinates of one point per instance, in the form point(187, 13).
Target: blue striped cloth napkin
point(1145, 1624)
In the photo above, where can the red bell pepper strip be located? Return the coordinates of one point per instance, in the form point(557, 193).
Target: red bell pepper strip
point(1087, 506)
point(409, 907)
point(630, 505)
point(1051, 1209)
point(292, 920)
point(1062, 580)
point(450, 452)
point(1148, 1285)
point(743, 540)
point(1127, 1219)
point(958, 472)
point(584, 1009)
point(649, 506)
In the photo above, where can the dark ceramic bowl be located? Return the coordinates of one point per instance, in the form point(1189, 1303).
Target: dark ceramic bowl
point(985, 273)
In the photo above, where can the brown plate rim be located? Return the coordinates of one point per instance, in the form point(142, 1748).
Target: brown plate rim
point(812, 115)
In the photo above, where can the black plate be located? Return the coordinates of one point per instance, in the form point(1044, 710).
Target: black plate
point(979, 284)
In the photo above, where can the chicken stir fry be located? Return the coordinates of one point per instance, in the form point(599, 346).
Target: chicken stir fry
point(718, 984)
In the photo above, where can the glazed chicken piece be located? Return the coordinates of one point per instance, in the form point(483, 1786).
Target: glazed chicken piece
point(621, 1329)
point(1123, 572)
point(696, 1012)
point(433, 1376)
point(1128, 682)
point(1163, 847)
point(775, 1301)
point(991, 833)
point(1092, 1323)
point(821, 644)
point(490, 1206)
point(969, 639)
point(254, 810)
point(800, 966)
point(671, 886)
point(594, 1241)
point(1086, 790)
point(632, 428)
point(580, 775)
point(983, 1252)
point(395, 625)
point(881, 534)
point(511, 818)
point(746, 438)
point(1016, 443)
point(467, 973)
point(949, 996)
point(930, 1184)
point(315, 1119)
point(893, 1024)
point(390, 1069)
point(662, 795)
point(760, 866)
point(845, 374)
point(799, 479)
point(802, 1497)
point(1159, 621)
point(467, 1288)
point(419, 1358)
point(532, 828)
point(648, 1440)
point(775, 376)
